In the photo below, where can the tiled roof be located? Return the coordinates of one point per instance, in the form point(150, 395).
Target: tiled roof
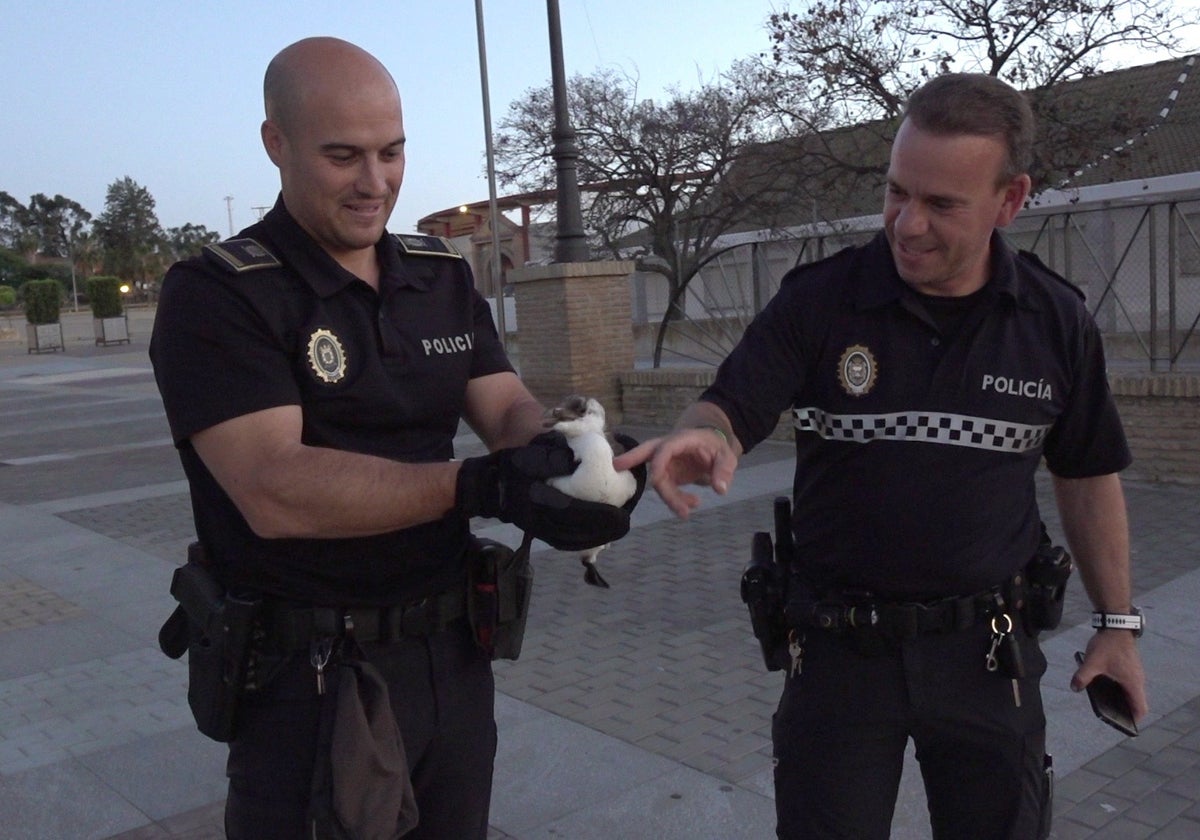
point(1150, 116)
point(1158, 105)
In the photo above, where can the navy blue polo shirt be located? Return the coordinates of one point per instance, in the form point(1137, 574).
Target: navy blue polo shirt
point(378, 373)
point(916, 451)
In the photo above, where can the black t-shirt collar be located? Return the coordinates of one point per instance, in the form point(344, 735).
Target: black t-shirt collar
point(298, 250)
point(878, 283)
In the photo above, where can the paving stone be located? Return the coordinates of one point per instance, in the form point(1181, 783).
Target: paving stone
point(1078, 786)
point(664, 660)
point(1158, 808)
point(1100, 809)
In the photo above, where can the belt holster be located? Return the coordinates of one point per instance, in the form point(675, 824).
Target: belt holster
point(764, 586)
point(219, 631)
point(499, 587)
point(1037, 591)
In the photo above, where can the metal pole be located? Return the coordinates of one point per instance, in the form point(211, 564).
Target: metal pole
point(74, 290)
point(497, 274)
point(570, 245)
point(229, 210)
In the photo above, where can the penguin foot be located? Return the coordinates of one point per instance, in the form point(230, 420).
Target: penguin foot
point(591, 575)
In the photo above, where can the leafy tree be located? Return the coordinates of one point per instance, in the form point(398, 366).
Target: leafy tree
point(186, 241)
point(129, 231)
point(89, 257)
point(15, 234)
point(58, 223)
point(653, 172)
point(861, 59)
point(12, 268)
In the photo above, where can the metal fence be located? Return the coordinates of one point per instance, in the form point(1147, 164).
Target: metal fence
point(1137, 262)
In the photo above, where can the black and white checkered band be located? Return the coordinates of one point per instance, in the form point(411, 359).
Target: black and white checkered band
point(922, 427)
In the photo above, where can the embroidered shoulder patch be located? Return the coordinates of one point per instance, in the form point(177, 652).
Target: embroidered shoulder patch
point(422, 245)
point(240, 255)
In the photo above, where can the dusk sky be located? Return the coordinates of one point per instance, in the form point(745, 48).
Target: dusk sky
point(169, 93)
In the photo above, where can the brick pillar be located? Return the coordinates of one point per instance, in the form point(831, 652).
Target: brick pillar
point(576, 330)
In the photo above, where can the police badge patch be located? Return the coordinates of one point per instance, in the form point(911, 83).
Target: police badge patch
point(857, 370)
point(326, 356)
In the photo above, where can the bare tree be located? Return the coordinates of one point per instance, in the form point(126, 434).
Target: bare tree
point(862, 59)
point(654, 173)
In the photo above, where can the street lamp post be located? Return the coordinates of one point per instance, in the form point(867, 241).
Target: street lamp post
point(570, 245)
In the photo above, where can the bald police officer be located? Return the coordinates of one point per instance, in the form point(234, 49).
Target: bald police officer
point(314, 371)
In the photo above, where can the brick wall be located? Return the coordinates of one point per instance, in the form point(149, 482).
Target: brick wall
point(1161, 413)
point(577, 334)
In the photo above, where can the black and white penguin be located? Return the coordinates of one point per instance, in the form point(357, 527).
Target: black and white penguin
point(582, 422)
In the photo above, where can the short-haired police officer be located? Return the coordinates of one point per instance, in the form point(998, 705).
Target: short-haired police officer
point(928, 372)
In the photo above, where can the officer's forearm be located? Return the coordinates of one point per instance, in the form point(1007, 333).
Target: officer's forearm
point(703, 414)
point(1097, 531)
point(502, 411)
point(318, 493)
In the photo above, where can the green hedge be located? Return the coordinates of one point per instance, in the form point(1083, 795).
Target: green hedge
point(42, 301)
point(104, 294)
point(8, 297)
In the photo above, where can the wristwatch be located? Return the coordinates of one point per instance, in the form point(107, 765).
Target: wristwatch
point(1132, 621)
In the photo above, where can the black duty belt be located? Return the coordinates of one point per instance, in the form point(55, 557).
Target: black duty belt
point(294, 628)
point(902, 619)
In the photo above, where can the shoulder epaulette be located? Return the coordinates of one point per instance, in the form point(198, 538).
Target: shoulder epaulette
point(240, 255)
point(422, 245)
point(1050, 272)
point(802, 269)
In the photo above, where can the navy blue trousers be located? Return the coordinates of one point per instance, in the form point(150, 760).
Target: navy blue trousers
point(443, 696)
point(844, 721)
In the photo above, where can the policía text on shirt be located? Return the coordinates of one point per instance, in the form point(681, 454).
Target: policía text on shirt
point(449, 344)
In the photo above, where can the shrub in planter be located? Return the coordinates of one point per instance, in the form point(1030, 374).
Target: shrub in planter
point(104, 295)
point(42, 301)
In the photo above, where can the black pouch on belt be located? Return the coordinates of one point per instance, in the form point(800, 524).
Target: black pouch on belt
point(499, 586)
point(361, 787)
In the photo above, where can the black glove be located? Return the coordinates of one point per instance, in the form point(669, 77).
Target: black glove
point(639, 472)
point(510, 485)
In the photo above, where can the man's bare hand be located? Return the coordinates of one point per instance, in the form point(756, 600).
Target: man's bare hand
point(688, 456)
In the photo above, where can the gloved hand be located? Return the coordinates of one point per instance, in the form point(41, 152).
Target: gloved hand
point(510, 485)
point(639, 472)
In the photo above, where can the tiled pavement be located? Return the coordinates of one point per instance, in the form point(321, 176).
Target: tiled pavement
point(639, 711)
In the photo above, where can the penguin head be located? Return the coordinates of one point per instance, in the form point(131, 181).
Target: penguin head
point(577, 415)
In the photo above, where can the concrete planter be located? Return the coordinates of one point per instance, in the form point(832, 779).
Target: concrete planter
point(111, 330)
point(44, 338)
